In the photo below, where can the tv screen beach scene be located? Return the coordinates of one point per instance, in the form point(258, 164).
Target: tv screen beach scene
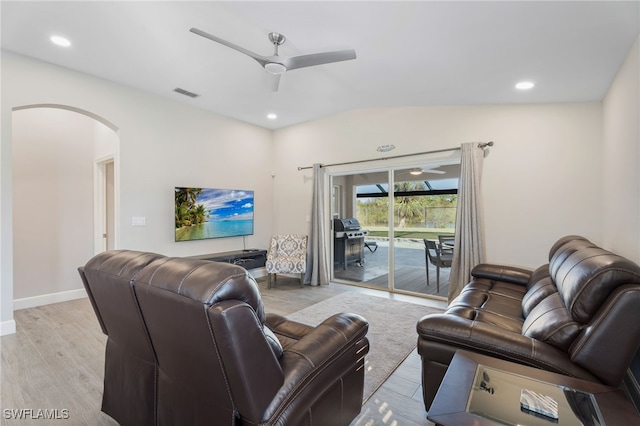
point(203, 213)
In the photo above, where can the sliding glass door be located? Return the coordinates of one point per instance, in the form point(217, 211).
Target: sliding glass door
point(424, 214)
point(402, 214)
point(361, 255)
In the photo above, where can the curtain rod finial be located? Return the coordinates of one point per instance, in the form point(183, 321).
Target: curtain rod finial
point(485, 144)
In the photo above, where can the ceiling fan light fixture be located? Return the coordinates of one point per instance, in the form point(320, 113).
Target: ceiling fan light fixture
point(275, 68)
point(415, 171)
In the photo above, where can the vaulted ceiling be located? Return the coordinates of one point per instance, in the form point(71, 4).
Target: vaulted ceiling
point(415, 53)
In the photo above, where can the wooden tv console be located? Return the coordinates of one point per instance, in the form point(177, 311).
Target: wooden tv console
point(248, 259)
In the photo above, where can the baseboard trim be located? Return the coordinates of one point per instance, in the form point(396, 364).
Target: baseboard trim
point(46, 299)
point(64, 296)
point(7, 327)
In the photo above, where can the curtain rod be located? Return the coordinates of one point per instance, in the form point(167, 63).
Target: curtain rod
point(481, 145)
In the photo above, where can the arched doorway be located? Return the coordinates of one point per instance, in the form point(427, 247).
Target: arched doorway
point(58, 198)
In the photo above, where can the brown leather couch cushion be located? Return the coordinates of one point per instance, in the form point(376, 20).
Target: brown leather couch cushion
point(550, 322)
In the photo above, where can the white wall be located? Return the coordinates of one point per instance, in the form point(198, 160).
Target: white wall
point(105, 141)
point(621, 159)
point(542, 179)
point(163, 144)
point(52, 199)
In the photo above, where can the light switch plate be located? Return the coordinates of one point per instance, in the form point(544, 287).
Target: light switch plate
point(139, 221)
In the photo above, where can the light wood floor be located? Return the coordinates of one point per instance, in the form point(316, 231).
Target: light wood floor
point(55, 361)
point(410, 272)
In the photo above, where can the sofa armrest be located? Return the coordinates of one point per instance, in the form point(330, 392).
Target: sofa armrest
point(600, 348)
point(322, 356)
point(508, 274)
point(284, 327)
point(331, 338)
point(288, 332)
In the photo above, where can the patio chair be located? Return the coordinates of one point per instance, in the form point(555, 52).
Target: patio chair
point(287, 255)
point(447, 242)
point(371, 245)
point(440, 259)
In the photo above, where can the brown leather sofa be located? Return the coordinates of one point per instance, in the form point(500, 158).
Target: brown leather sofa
point(217, 358)
point(578, 315)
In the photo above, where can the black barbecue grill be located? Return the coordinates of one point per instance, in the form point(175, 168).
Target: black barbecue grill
point(348, 242)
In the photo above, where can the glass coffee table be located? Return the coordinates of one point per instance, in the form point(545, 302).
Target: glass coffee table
point(480, 390)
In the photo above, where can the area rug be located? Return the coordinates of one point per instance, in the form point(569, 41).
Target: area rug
point(392, 330)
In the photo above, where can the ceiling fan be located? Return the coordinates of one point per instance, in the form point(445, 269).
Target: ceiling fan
point(418, 171)
point(277, 65)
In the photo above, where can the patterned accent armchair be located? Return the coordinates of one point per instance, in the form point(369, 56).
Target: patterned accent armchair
point(287, 255)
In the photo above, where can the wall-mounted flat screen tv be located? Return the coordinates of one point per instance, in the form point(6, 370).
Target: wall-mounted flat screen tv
point(203, 213)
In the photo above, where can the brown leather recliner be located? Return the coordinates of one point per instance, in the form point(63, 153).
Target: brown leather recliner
point(130, 370)
point(222, 361)
point(577, 315)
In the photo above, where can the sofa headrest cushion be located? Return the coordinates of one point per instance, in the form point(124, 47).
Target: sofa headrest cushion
point(568, 239)
point(205, 281)
point(587, 276)
point(563, 248)
point(124, 264)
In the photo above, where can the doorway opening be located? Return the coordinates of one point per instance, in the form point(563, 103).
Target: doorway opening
point(56, 150)
point(104, 204)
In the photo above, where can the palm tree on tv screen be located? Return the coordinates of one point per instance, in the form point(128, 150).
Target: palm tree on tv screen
point(187, 211)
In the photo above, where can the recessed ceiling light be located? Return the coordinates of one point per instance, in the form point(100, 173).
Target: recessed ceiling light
point(272, 116)
point(524, 85)
point(60, 41)
point(385, 148)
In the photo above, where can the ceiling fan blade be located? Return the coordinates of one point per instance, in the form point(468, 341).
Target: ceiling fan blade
point(273, 81)
point(434, 171)
point(261, 59)
point(313, 59)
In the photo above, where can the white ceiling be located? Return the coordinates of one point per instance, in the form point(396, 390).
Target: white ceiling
point(412, 53)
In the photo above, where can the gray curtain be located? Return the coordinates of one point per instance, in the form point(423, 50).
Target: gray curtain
point(317, 268)
point(469, 241)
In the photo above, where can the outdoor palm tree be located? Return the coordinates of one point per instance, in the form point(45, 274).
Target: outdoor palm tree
point(408, 207)
point(410, 211)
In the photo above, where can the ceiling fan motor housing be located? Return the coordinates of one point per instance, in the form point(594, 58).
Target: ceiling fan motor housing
point(277, 38)
point(275, 68)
